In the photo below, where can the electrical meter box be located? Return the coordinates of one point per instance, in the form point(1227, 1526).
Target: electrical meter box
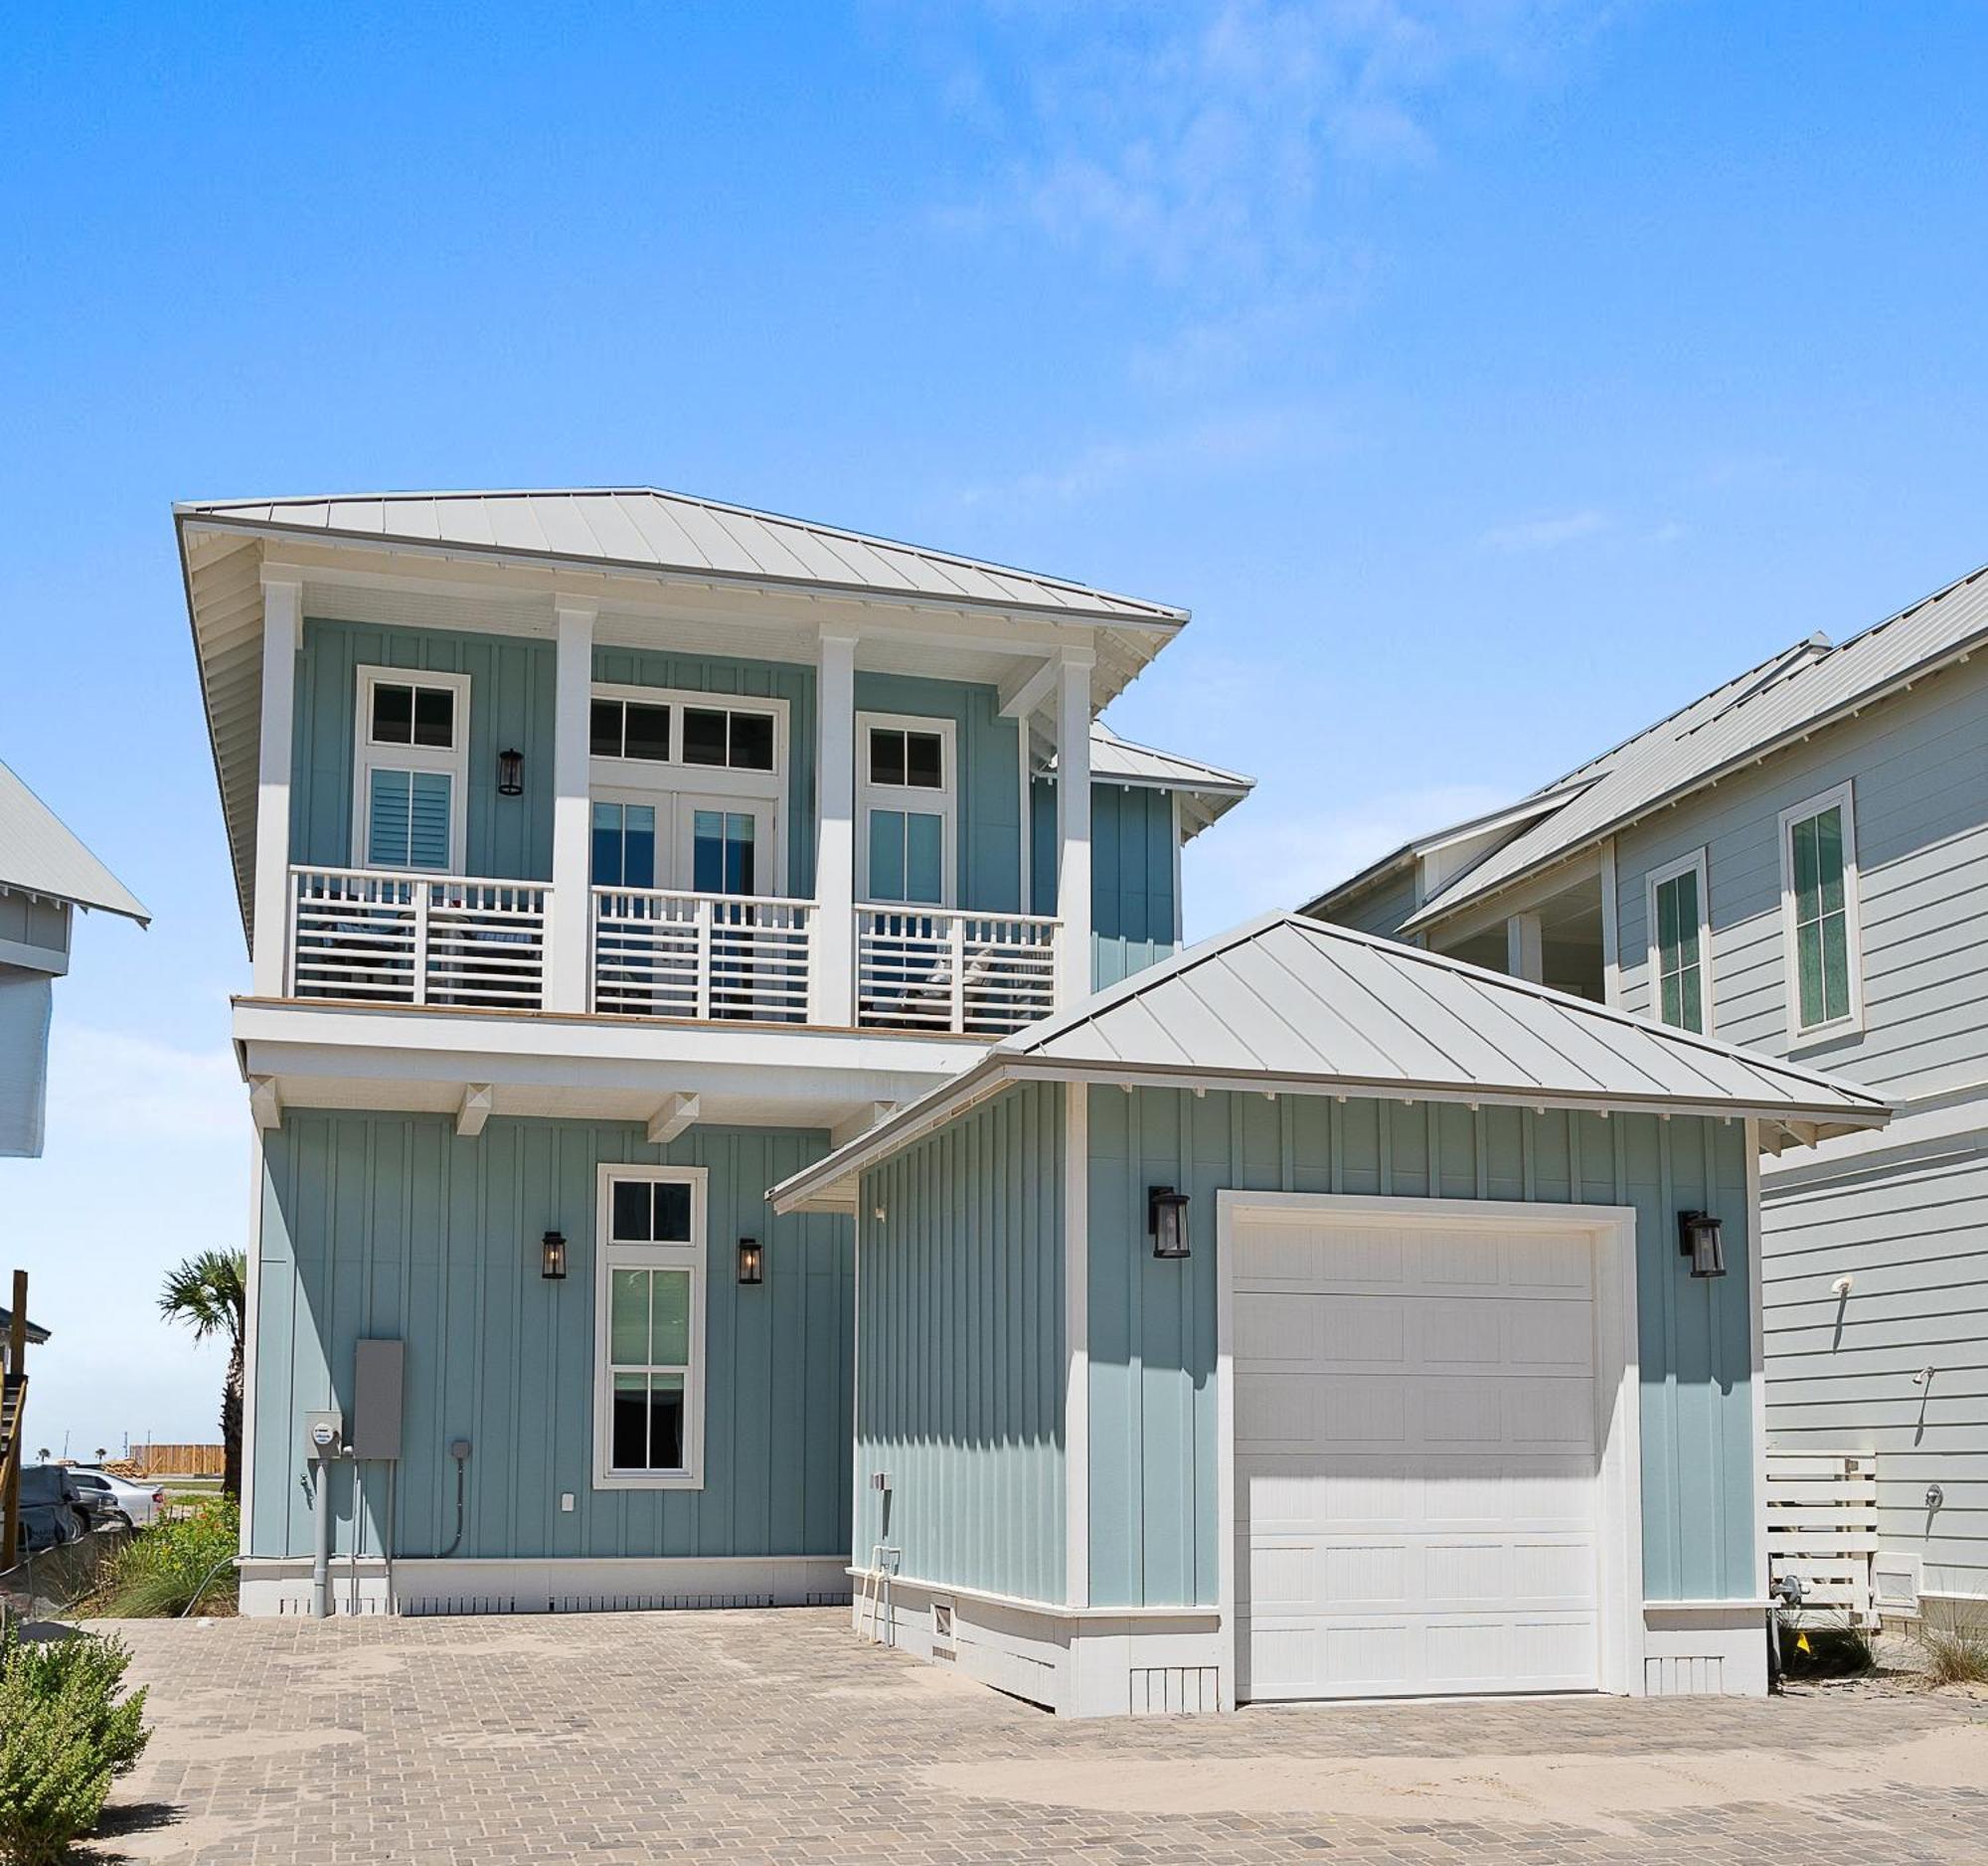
point(324, 1434)
point(376, 1398)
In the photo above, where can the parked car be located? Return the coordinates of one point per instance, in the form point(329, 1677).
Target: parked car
point(52, 1509)
point(117, 1500)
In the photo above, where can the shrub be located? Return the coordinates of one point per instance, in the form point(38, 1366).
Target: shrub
point(1954, 1655)
point(1835, 1649)
point(63, 1735)
point(169, 1570)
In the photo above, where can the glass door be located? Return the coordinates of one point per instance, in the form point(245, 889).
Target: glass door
point(725, 848)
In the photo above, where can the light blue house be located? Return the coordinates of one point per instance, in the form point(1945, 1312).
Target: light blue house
point(45, 875)
point(608, 857)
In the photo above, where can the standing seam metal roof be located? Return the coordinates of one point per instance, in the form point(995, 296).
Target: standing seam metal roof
point(41, 854)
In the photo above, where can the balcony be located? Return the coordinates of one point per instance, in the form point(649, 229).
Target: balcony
point(369, 935)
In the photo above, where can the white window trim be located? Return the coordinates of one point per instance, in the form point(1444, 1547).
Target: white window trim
point(368, 758)
point(692, 1256)
point(675, 772)
point(1799, 1034)
point(944, 801)
point(1691, 864)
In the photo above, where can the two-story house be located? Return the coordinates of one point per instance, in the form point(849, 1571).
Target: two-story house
point(733, 1120)
point(1797, 862)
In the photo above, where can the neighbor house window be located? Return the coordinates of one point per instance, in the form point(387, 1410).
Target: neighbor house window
point(1819, 907)
point(410, 770)
point(906, 784)
point(650, 1295)
point(1681, 944)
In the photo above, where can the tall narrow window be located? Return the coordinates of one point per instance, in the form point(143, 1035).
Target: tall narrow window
point(1679, 944)
point(625, 845)
point(1819, 893)
point(650, 1326)
point(410, 770)
point(907, 782)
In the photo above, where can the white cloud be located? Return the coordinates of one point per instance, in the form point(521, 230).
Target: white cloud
point(125, 1084)
point(1546, 534)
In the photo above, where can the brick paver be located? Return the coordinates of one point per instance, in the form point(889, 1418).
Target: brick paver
point(777, 1736)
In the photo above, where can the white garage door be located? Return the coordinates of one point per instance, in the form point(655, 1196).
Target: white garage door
point(1416, 1459)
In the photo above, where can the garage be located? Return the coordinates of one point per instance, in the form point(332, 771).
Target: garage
point(1422, 1404)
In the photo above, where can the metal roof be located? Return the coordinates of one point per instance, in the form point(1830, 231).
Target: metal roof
point(1806, 686)
point(1205, 791)
point(1286, 1004)
point(35, 1332)
point(39, 854)
point(642, 528)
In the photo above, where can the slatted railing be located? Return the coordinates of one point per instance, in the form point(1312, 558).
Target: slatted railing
point(659, 954)
point(1822, 1526)
point(371, 936)
point(974, 974)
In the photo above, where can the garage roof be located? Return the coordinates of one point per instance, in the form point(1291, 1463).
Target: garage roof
point(1285, 1004)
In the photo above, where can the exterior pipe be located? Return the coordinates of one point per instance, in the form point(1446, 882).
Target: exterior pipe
point(321, 1542)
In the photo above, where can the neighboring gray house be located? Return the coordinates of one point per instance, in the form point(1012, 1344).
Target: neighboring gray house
point(1797, 863)
point(45, 874)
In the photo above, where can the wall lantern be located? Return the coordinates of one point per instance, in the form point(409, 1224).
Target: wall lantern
point(1166, 1220)
point(510, 773)
point(752, 1261)
point(1701, 1238)
point(552, 1258)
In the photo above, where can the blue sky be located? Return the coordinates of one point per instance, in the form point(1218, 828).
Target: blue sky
point(1489, 379)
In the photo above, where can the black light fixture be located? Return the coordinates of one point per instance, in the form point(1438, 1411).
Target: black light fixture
point(551, 1257)
point(752, 1261)
point(1701, 1238)
point(1166, 1220)
point(510, 773)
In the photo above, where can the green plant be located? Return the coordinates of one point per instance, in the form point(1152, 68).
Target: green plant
point(210, 1293)
point(64, 1734)
point(1833, 1648)
point(1954, 1655)
point(172, 1569)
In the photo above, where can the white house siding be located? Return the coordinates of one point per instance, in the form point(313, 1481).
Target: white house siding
point(1907, 1216)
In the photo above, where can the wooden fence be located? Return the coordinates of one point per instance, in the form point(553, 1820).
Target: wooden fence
point(1822, 1526)
point(179, 1461)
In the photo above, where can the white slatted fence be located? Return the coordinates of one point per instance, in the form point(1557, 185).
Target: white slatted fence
point(974, 974)
point(1822, 1525)
point(661, 954)
point(378, 936)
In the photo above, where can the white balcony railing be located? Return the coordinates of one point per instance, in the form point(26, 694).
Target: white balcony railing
point(658, 953)
point(975, 974)
point(398, 939)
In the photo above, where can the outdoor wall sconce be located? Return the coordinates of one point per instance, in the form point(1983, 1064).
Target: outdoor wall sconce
point(1166, 1220)
point(1701, 1238)
point(510, 773)
point(752, 1261)
point(551, 1257)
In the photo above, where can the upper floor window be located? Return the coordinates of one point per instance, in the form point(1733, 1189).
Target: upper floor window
point(719, 735)
point(410, 772)
point(629, 729)
point(652, 726)
point(649, 1304)
point(1681, 944)
point(1819, 911)
point(907, 799)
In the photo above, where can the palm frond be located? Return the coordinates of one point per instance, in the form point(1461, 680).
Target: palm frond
point(208, 1291)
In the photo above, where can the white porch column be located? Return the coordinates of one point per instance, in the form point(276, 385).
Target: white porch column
point(1073, 829)
point(832, 989)
point(282, 621)
point(568, 933)
point(1524, 949)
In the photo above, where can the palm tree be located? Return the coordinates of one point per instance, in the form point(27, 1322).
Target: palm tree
point(210, 1293)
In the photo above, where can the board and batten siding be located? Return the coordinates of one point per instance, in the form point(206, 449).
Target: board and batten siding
point(395, 1226)
point(1153, 1498)
point(1381, 906)
point(959, 1337)
point(1911, 1231)
point(1134, 875)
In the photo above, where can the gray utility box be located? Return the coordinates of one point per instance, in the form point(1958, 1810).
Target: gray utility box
point(377, 1368)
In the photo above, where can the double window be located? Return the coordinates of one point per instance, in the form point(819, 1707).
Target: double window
point(410, 770)
point(650, 1299)
point(1681, 944)
point(644, 726)
point(907, 799)
point(1819, 909)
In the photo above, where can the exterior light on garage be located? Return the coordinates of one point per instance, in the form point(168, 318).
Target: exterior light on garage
point(551, 1257)
point(1166, 1219)
point(1700, 1239)
point(752, 1261)
point(510, 773)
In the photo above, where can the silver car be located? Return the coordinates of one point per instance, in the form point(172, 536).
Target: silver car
point(114, 1500)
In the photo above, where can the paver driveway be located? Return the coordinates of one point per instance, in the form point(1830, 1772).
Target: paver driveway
point(775, 1736)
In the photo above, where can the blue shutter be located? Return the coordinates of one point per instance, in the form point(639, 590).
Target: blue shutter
point(386, 821)
point(925, 863)
point(886, 855)
point(428, 834)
